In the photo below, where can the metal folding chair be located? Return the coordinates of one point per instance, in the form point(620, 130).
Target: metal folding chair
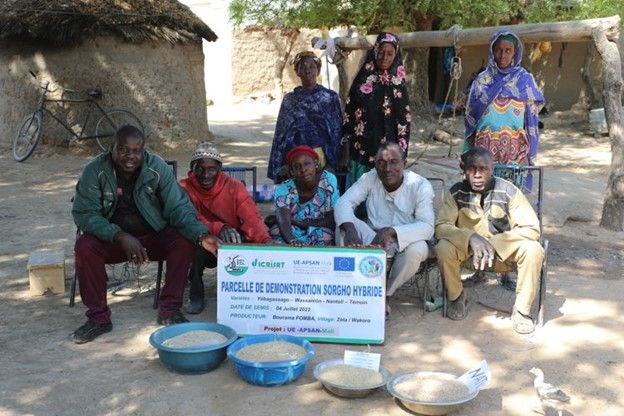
point(72, 290)
point(422, 277)
point(240, 173)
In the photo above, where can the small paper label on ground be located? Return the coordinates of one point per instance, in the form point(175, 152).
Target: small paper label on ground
point(368, 360)
point(477, 378)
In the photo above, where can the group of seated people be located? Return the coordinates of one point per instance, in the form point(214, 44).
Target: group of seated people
point(130, 207)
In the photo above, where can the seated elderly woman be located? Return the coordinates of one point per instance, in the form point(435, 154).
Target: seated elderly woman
point(304, 205)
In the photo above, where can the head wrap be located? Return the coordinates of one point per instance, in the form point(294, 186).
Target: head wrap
point(387, 37)
point(511, 82)
point(505, 34)
point(208, 151)
point(301, 150)
point(509, 37)
point(303, 55)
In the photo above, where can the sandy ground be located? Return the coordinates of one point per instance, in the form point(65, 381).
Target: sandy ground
point(580, 348)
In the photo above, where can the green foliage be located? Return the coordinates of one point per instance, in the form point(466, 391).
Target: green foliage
point(375, 15)
point(559, 10)
point(371, 15)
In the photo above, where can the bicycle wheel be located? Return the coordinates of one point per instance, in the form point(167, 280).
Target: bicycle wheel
point(27, 136)
point(108, 124)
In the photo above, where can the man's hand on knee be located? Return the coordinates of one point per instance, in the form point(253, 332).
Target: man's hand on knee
point(135, 252)
point(351, 236)
point(483, 252)
point(385, 237)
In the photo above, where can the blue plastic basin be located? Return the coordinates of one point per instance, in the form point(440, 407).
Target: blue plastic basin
point(272, 373)
point(195, 360)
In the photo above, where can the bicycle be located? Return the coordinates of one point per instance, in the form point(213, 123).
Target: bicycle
point(30, 130)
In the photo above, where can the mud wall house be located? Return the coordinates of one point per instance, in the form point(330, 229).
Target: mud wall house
point(256, 52)
point(145, 55)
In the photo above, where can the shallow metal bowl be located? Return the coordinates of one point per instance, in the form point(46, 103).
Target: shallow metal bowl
point(348, 391)
point(427, 408)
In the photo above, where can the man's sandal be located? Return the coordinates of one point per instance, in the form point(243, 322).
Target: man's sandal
point(522, 324)
point(458, 308)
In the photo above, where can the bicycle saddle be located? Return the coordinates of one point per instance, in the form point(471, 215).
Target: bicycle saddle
point(94, 92)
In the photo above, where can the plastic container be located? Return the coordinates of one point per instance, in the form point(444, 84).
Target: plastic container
point(196, 360)
point(597, 121)
point(272, 373)
point(264, 192)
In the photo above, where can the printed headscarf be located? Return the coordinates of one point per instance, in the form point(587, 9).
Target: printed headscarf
point(377, 108)
point(511, 82)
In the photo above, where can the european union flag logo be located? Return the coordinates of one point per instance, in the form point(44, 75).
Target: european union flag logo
point(344, 264)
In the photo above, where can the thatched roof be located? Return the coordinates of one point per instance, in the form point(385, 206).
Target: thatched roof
point(68, 22)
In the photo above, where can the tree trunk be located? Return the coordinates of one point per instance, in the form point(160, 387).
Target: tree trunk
point(343, 82)
point(613, 207)
point(291, 35)
point(590, 96)
point(416, 61)
point(278, 77)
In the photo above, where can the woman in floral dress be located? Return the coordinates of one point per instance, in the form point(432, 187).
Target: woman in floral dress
point(304, 204)
point(377, 109)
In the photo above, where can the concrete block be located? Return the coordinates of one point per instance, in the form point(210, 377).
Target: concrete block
point(46, 271)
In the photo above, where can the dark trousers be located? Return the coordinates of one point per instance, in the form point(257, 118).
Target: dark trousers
point(92, 254)
point(201, 260)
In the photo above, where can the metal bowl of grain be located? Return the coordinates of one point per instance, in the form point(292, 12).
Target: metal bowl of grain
point(349, 381)
point(430, 393)
point(270, 359)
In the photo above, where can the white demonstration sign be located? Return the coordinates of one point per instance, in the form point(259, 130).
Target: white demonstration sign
point(330, 294)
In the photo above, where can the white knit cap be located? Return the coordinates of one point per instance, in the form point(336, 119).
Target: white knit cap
point(206, 150)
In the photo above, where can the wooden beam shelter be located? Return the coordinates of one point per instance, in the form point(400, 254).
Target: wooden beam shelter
point(570, 31)
point(603, 32)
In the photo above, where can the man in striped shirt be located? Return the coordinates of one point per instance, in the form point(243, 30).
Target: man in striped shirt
point(488, 223)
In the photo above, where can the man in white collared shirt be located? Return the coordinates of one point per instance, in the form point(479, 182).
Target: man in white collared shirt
point(399, 204)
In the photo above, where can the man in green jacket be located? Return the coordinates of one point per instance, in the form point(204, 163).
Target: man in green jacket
point(129, 207)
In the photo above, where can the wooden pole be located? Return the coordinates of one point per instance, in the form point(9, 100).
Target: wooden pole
point(571, 31)
point(613, 207)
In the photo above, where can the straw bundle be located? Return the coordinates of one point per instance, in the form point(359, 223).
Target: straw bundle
point(68, 22)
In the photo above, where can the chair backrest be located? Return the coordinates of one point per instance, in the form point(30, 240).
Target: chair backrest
point(240, 173)
point(341, 177)
point(174, 167)
point(439, 189)
point(524, 177)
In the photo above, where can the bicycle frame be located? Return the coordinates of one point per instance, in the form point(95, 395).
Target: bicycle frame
point(90, 101)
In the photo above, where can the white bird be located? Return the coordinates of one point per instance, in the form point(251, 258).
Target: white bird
point(550, 396)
